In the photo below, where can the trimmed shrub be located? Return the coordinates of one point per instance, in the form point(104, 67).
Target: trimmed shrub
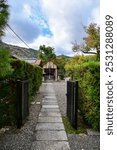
point(26, 71)
point(88, 75)
point(21, 71)
point(5, 67)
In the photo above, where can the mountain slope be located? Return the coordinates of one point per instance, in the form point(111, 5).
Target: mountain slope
point(20, 51)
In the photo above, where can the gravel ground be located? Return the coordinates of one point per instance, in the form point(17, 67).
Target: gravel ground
point(89, 141)
point(21, 139)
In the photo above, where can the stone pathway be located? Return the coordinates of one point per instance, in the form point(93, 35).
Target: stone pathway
point(49, 132)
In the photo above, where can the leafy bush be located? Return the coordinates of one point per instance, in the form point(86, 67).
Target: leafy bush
point(7, 103)
point(86, 69)
point(88, 75)
point(26, 71)
point(22, 71)
point(78, 60)
point(5, 67)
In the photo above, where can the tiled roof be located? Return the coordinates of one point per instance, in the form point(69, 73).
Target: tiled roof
point(38, 62)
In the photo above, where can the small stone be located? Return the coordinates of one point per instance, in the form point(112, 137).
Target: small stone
point(32, 103)
point(37, 103)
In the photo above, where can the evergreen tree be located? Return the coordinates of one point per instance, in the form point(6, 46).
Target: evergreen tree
point(46, 53)
point(5, 67)
point(3, 16)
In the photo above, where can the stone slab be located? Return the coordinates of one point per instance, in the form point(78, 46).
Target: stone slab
point(55, 114)
point(50, 136)
point(50, 106)
point(48, 93)
point(50, 103)
point(50, 109)
point(50, 126)
point(38, 103)
point(50, 145)
point(50, 97)
point(49, 119)
point(32, 103)
point(49, 100)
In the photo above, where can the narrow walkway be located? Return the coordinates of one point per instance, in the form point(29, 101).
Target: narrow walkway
point(49, 132)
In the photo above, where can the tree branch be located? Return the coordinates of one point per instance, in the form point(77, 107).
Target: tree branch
point(88, 52)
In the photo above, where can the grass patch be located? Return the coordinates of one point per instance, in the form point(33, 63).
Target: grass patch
point(70, 130)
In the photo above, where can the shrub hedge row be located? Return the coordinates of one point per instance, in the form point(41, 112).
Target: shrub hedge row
point(21, 71)
point(88, 75)
point(26, 71)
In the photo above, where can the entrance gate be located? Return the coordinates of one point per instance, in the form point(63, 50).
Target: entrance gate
point(72, 102)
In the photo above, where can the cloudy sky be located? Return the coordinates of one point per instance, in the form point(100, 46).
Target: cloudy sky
point(56, 23)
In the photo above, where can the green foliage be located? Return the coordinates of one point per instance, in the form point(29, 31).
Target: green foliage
point(26, 71)
point(7, 103)
point(86, 69)
point(88, 75)
point(22, 71)
point(70, 130)
point(46, 53)
point(61, 64)
point(5, 67)
point(3, 16)
point(91, 43)
point(76, 61)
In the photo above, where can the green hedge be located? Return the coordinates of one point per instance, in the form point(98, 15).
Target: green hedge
point(5, 67)
point(88, 75)
point(21, 71)
point(26, 71)
point(7, 103)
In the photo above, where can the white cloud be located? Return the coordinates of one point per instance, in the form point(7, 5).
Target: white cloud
point(63, 18)
point(41, 40)
point(65, 21)
point(64, 48)
point(27, 10)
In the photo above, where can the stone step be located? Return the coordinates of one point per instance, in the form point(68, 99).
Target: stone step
point(49, 119)
point(49, 103)
point(50, 145)
point(50, 109)
point(50, 106)
point(50, 136)
point(49, 114)
point(50, 97)
point(50, 126)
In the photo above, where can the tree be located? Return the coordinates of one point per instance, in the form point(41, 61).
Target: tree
point(5, 67)
point(46, 53)
point(61, 61)
point(4, 14)
point(91, 43)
